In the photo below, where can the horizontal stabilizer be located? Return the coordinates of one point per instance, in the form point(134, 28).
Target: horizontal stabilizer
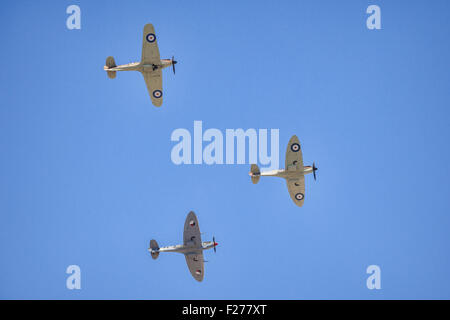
point(255, 174)
point(110, 63)
point(154, 246)
point(111, 74)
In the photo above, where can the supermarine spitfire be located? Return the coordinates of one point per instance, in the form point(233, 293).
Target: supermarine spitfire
point(150, 66)
point(192, 247)
point(294, 172)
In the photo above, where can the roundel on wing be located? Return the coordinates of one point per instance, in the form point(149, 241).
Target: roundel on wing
point(198, 272)
point(157, 94)
point(150, 37)
point(299, 196)
point(295, 147)
point(192, 223)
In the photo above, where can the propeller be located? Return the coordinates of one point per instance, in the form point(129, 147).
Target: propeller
point(173, 64)
point(215, 244)
point(314, 170)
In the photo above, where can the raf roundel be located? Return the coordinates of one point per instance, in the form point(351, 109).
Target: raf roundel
point(299, 196)
point(192, 223)
point(157, 94)
point(295, 147)
point(150, 37)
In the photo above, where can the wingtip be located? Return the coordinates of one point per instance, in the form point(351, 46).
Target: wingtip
point(192, 213)
point(158, 104)
point(299, 203)
point(148, 26)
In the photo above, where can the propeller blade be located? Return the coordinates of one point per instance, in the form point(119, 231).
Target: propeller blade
point(314, 170)
point(214, 241)
point(173, 64)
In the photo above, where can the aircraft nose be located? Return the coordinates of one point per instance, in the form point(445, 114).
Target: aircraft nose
point(215, 244)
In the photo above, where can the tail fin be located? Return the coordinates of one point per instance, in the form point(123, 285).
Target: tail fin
point(110, 63)
point(154, 246)
point(255, 173)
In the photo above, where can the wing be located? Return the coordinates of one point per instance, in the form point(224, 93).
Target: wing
point(296, 189)
point(196, 264)
point(150, 51)
point(191, 234)
point(294, 158)
point(153, 80)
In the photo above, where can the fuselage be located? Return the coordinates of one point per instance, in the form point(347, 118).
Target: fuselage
point(290, 172)
point(181, 248)
point(139, 66)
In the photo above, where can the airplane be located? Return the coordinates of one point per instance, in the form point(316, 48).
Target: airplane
point(192, 247)
point(150, 66)
point(294, 172)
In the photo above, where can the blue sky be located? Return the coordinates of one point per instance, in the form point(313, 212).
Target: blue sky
point(87, 179)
